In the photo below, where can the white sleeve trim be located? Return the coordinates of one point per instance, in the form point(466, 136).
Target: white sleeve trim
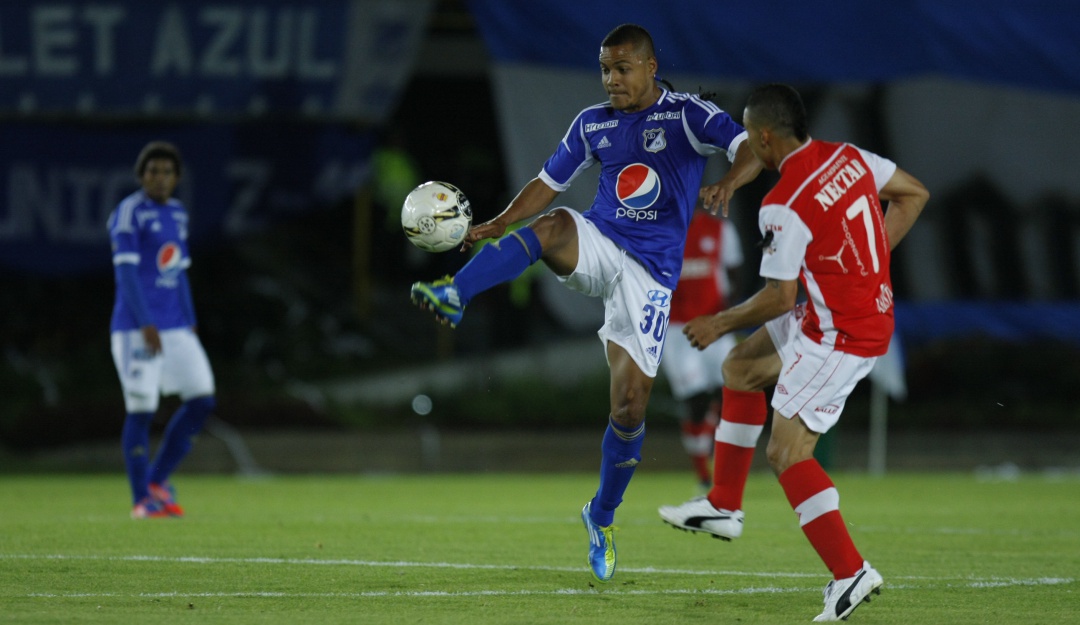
point(549, 181)
point(126, 258)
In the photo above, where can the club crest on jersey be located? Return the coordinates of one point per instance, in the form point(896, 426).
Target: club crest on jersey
point(655, 140)
point(637, 186)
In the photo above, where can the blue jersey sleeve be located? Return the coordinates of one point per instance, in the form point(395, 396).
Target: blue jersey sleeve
point(186, 303)
point(127, 281)
point(712, 130)
point(571, 158)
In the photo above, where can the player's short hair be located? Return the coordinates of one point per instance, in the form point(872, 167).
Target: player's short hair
point(157, 149)
point(631, 34)
point(780, 108)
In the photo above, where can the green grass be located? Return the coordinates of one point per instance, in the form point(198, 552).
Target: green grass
point(507, 548)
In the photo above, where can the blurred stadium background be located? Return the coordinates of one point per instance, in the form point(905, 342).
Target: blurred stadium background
point(303, 124)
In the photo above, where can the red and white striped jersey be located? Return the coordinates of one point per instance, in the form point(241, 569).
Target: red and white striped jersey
point(823, 224)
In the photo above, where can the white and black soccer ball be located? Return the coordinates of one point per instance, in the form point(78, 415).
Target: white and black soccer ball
point(436, 216)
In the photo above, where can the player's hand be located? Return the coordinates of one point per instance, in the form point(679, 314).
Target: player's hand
point(702, 331)
point(488, 230)
point(716, 196)
point(152, 339)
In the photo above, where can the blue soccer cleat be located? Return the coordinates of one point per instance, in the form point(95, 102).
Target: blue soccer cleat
point(601, 547)
point(440, 297)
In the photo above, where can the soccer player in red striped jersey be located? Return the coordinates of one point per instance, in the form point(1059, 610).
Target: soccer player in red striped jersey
point(824, 226)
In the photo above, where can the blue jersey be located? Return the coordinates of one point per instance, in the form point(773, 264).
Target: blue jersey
point(652, 161)
point(153, 237)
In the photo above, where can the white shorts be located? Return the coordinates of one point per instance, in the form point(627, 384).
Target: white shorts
point(815, 380)
point(181, 368)
point(691, 371)
point(636, 306)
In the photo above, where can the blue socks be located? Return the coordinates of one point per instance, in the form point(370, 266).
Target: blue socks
point(179, 436)
point(621, 453)
point(497, 262)
point(135, 440)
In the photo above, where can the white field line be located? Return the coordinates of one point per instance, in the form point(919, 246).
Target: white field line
point(960, 580)
point(434, 593)
point(764, 590)
point(644, 522)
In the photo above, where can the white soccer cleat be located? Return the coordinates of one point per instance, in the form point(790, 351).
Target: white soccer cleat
point(699, 515)
point(842, 596)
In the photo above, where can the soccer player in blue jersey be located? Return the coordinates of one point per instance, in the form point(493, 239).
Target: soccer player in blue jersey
point(154, 344)
point(627, 248)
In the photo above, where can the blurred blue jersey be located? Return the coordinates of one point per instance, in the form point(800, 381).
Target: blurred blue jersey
point(652, 161)
point(153, 237)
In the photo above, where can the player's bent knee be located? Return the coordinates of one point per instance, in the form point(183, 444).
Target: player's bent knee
point(744, 375)
point(781, 457)
point(554, 230)
point(629, 413)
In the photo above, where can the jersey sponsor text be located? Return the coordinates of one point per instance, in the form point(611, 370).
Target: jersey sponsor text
point(843, 180)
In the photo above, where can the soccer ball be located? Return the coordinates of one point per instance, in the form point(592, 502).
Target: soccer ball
point(436, 216)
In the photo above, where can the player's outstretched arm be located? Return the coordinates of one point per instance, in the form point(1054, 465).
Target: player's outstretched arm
point(533, 198)
point(907, 197)
point(775, 299)
point(743, 169)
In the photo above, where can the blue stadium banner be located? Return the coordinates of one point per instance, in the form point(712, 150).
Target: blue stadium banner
point(322, 59)
point(1033, 44)
point(58, 188)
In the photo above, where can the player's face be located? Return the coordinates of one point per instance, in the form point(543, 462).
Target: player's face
point(628, 77)
point(757, 143)
point(159, 179)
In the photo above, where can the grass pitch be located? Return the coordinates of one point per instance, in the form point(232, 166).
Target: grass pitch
point(509, 548)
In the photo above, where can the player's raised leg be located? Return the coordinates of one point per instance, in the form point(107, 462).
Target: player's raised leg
point(498, 262)
point(552, 236)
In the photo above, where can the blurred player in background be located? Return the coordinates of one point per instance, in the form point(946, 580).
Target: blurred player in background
point(652, 145)
point(823, 225)
point(154, 344)
point(706, 285)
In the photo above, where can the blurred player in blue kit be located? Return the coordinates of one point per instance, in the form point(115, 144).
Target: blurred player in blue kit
point(154, 344)
point(652, 145)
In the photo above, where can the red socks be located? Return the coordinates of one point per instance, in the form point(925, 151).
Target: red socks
point(814, 498)
point(808, 488)
point(742, 417)
point(697, 439)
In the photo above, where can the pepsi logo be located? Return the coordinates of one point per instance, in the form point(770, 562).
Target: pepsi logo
point(638, 186)
point(168, 257)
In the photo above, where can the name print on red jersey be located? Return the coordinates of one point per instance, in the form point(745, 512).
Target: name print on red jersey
point(850, 171)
